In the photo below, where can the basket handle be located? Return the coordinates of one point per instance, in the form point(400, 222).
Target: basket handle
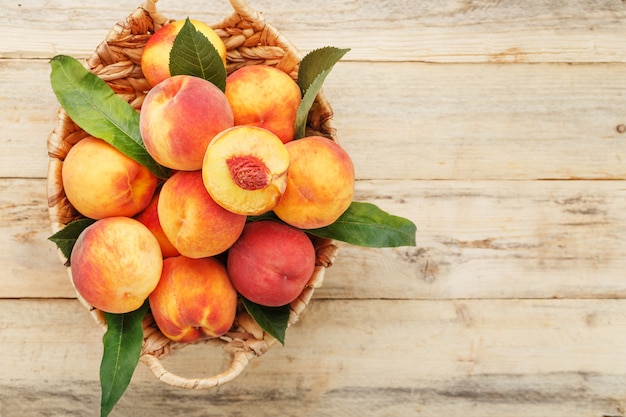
point(242, 344)
point(242, 8)
point(238, 363)
point(242, 349)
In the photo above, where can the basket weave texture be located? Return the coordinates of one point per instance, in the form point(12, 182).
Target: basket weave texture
point(249, 40)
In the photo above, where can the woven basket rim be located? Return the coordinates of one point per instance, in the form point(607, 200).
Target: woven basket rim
point(241, 343)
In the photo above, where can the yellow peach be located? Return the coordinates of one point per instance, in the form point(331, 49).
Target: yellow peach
point(179, 118)
point(194, 299)
point(149, 217)
point(100, 181)
point(245, 169)
point(320, 183)
point(196, 225)
point(115, 264)
point(155, 59)
point(266, 97)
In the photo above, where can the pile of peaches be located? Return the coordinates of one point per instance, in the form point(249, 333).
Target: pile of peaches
point(193, 242)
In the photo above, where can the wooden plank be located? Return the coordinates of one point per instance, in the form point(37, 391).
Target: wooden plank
point(29, 262)
point(421, 121)
point(512, 303)
point(431, 31)
point(491, 239)
point(28, 115)
point(437, 122)
point(347, 357)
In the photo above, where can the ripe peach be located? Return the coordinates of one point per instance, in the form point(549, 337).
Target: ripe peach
point(116, 263)
point(320, 183)
point(271, 263)
point(196, 225)
point(194, 299)
point(264, 96)
point(100, 181)
point(155, 59)
point(245, 169)
point(149, 217)
point(178, 119)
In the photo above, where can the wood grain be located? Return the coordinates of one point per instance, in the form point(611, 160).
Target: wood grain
point(347, 357)
point(498, 127)
point(414, 121)
point(476, 239)
point(429, 31)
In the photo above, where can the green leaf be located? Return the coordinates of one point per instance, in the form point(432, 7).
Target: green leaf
point(273, 320)
point(268, 215)
point(122, 348)
point(66, 237)
point(364, 224)
point(314, 68)
point(95, 107)
point(194, 54)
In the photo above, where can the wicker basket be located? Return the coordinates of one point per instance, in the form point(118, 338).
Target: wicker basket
point(249, 40)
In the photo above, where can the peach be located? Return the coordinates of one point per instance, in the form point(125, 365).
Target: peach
point(100, 181)
point(245, 169)
point(264, 96)
point(194, 299)
point(271, 263)
point(149, 217)
point(115, 264)
point(155, 58)
point(196, 225)
point(320, 183)
point(178, 119)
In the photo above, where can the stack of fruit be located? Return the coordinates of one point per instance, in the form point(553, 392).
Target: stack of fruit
point(206, 206)
point(231, 156)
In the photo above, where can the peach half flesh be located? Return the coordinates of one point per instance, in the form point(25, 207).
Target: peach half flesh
point(245, 169)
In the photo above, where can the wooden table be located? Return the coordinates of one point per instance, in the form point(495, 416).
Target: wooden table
point(498, 127)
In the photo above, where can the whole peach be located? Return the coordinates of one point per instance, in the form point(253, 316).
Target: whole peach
point(149, 217)
point(155, 58)
point(194, 299)
point(320, 183)
point(178, 119)
point(271, 263)
point(196, 225)
point(100, 181)
point(266, 97)
point(115, 264)
point(245, 169)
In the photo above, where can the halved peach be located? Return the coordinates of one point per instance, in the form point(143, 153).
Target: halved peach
point(245, 169)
